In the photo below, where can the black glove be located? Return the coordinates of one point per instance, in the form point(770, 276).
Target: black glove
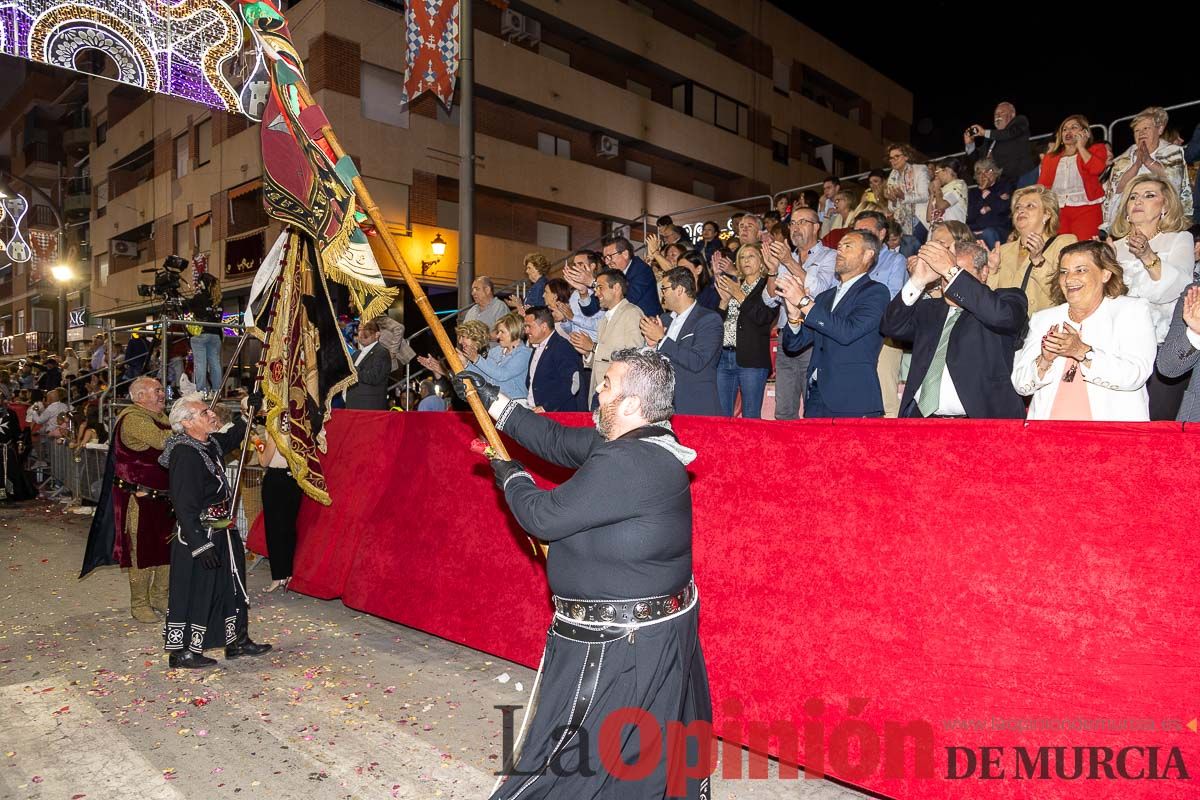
point(488, 392)
point(505, 470)
point(208, 559)
point(255, 402)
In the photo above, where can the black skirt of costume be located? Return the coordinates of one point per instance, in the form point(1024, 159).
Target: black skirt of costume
point(660, 671)
point(206, 607)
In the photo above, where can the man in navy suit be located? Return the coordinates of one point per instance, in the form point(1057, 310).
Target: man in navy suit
point(842, 325)
point(643, 288)
point(690, 336)
point(555, 366)
point(963, 344)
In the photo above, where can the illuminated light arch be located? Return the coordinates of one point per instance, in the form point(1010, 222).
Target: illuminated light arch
point(180, 48)
point(57, 41)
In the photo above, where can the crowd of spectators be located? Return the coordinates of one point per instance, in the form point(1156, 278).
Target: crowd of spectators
point(1007, 282)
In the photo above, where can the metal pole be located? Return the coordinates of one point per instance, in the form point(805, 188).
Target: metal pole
point(164, 331)
point(466, 151)
point(61, 335)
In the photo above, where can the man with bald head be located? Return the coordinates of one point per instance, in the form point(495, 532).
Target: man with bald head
point(1007, 143)
point(487, 308)
point(134, 520)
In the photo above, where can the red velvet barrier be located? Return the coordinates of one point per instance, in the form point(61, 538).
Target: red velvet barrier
point(884, 571)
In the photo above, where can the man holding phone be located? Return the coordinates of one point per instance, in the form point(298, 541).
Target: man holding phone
point(1007, 143)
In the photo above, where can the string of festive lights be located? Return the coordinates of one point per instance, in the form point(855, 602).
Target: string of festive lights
point(181, 49)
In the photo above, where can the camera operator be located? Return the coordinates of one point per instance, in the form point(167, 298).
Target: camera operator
point(205, 305)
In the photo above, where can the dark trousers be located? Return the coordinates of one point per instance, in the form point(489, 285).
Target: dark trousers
point(1166, 394)
point(281, 504)
point(815, 408)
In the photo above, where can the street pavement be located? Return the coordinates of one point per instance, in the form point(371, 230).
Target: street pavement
point(346, 706)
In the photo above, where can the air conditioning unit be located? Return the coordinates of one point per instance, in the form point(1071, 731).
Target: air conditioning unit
point(120, 247)
point(533, 32)
point(512, 24)
point(607, 146)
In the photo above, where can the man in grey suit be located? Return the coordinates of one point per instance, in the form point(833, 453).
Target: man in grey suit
point(1180, 351)
point(690, 336)
point(374, 366)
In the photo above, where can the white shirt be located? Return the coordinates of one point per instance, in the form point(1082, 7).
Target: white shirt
point(819, 275)
point(844, 287)
point(538, 349)
point(363, 353)
point(949, 403)
point(1178, 261)
point(1068, 184)
point(677, 321)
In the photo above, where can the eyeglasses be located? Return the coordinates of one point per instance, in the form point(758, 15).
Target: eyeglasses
point(609, 257)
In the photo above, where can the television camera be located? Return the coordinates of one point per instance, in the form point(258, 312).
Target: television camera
point(166, 284)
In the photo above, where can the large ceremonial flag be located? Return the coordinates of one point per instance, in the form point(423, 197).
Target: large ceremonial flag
point(304, 183)
point(311, 190)
point(431, 58)
point(305, 360)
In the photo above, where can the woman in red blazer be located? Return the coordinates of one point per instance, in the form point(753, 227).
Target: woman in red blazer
point(1071, 169)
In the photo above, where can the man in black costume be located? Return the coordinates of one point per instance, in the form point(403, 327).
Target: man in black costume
point(207, 606)
point(14, 448)
point(624, 634)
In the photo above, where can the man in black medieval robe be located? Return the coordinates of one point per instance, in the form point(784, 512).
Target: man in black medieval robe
point(625, 629)
point(207, 606)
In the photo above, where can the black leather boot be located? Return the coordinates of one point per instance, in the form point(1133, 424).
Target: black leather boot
point(245, 647)
point(187, 659)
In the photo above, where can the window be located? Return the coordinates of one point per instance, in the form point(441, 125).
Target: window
point(382, 95)
point(639, 88)
point(705, 190)
point(554, 54)
point(183, 239)
point(101, 198)
point(183, 155)
point(204, 235)
point(20, 320)
point(781, 74)
point(779, 145)
point(708, 106)
point(447, 214)
point(553, 145)
point(43, 320)
point(551, 234)
point(727, 114)
point(102, 268)
point(636, 169)
point(101, 131)
point(203, 143)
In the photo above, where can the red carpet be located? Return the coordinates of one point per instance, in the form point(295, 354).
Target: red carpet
point(938, 570)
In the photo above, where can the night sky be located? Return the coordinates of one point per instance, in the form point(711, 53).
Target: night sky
point(1049, 59)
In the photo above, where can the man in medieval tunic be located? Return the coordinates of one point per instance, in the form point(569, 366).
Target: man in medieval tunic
point(133, 521)
point(209, 604)
point(624, 634)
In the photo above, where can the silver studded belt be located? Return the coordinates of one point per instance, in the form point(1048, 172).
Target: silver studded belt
point(625, 612)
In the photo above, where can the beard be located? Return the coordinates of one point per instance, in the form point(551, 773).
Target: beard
point(604, 417)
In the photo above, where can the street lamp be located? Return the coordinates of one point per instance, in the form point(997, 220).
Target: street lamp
point(63, 274)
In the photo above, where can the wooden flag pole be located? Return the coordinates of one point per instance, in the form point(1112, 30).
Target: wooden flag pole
point(422, 301)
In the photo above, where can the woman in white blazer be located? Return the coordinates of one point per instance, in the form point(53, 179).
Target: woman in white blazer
point(1090, 356)
point(1156, 255)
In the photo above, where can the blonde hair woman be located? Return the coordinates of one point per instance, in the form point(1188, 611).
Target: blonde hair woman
point(1071, 169)
point(1088, 357)
point(507, 364)
point(1155, 250)
point(1029, 260)
point(1151, 154)
point(746, 347)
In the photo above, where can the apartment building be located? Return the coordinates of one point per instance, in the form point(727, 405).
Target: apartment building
point(44, 140)
point(591, 114)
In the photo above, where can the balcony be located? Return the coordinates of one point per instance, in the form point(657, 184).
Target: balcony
point(42, 217)
point(77, 206)
point(76, 141)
